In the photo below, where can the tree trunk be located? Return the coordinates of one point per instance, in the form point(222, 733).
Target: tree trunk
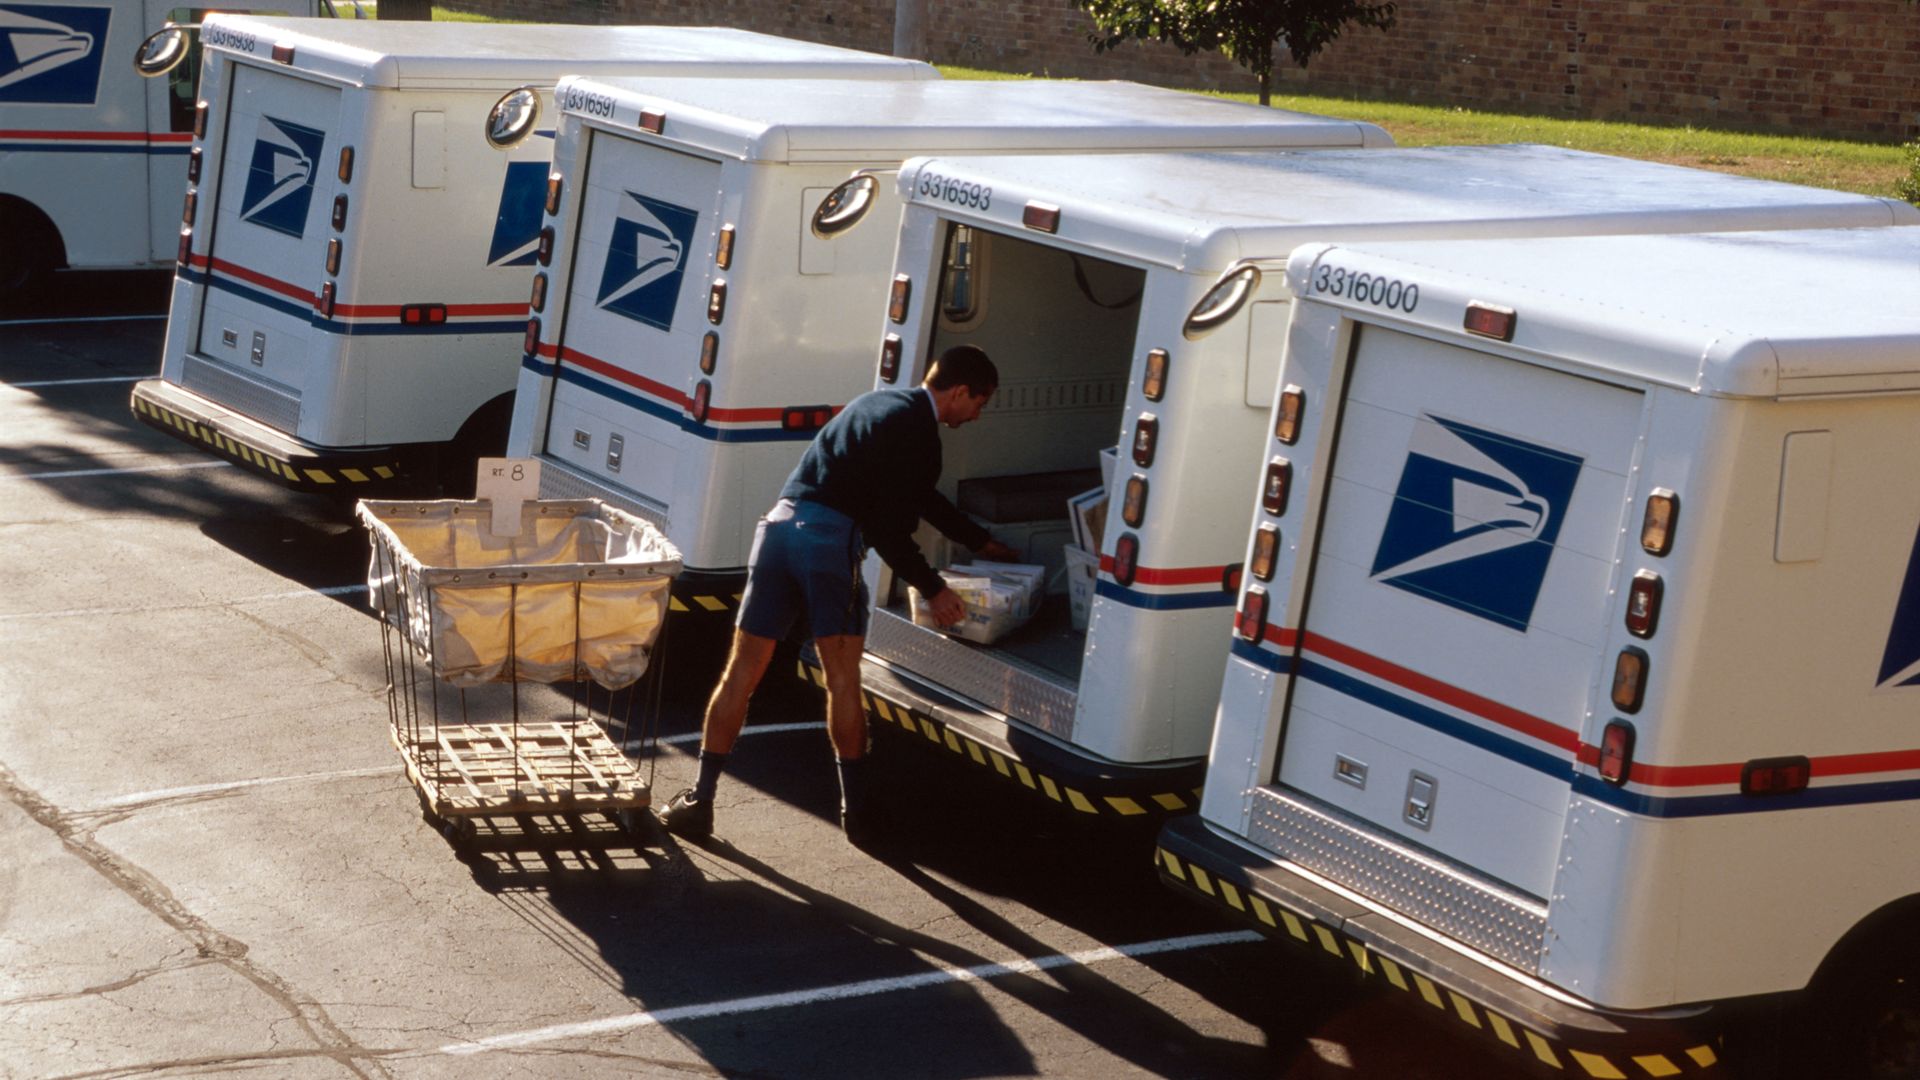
point(412, 10)
point(910, 29)
point(1266, 83)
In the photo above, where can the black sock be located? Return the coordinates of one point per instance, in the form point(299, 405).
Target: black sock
point(853, 789)
point(711, 766)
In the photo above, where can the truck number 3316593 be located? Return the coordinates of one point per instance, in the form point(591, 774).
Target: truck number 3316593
point(1390, 293)
point(958, 192)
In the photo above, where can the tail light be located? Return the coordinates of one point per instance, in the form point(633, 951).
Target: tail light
point(897, 300)
point(339, 213)
point(1154, 386)
point(1489, 321)
point(890, 358)
point(544, 251)
point(1274, 488)
point(325, 304)
point(537, 300)
point(1657, 526)
point(716, 302)
point(283, 54)
point(1126, 558)
point(1041, 216)
point(1630, 680)
point(1251, 624)
point(702, 398)
point(531, 342)
point(723, 251)
point(805, 417)
point(709, 352)
point(1286, 420)
point(193, 164)
point(1266, 551)
point(186, 247)
point(333, 256)
point(1133, 508)
point(651, 122)
point(1775, 776)
point(200, 120)
point(1643, 604)
point(1616, 752)
point(425, 315)
point(554, 186)
point(1146, 433)
point(345, 171)
point(187, 208)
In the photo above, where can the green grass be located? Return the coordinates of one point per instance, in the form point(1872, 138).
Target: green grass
point(1865, 167)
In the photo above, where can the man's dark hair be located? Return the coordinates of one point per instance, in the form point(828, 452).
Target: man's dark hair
point(965, 365)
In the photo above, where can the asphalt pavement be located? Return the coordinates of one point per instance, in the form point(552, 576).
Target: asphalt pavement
point(215, 863)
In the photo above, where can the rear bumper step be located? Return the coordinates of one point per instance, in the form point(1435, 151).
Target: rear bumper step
point(1077, 784)
point(1543, 1032)
point(287, 461)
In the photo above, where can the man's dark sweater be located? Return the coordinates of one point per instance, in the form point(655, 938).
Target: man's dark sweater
point(878, 463)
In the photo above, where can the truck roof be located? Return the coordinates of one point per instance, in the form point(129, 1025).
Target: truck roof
point(458, 55)
point(838, 120)
point(1201, 211)
point(1747, 314)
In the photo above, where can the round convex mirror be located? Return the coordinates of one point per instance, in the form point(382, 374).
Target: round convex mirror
point(161, 52)
point(845, 205)
point(1222, 302)
point(513, 117)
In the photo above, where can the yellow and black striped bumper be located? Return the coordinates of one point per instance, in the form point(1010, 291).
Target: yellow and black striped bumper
point(194, 420)
point(708, 599)
point(1082, 788)
point(1546, 1035)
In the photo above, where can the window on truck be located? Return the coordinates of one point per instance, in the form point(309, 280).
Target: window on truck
point(183, 82)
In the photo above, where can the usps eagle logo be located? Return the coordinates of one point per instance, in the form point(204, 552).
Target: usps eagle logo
point(646, 258)
point(51, 55)
point(516, 229)
point(1900, 664)
point(1474, 519)
point(280, 177)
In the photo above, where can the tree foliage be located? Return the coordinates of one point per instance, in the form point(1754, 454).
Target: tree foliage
point(1247, 31)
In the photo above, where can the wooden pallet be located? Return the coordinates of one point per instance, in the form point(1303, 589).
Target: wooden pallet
point(465, 770)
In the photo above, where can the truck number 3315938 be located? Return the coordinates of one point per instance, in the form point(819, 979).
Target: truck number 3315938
point(1390, 293)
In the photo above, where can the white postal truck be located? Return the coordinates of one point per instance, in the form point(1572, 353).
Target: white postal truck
point(93, 158)
point(1575, 680)
point(691, 331)
point(355, 259)
point(1085, 275)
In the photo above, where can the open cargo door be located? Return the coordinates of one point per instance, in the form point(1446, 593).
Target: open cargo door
point(1458, 600)
point(635, 302)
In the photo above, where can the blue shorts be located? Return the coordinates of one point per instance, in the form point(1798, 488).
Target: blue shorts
point(805, 561)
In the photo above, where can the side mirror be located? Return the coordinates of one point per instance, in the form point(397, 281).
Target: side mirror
point(162, 51)
point(513, 117)
point(845, 205)
point(1222, 302)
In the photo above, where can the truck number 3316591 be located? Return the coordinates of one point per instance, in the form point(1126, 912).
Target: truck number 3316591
point(1386, 292)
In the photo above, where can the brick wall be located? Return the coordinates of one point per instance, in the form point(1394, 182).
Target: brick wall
point(1826, 67)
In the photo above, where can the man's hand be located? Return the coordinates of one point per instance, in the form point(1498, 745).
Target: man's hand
point(995, 551)
point(947, 608)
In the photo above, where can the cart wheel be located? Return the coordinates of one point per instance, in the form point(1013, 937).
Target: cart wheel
point(639, 824)
point(459, 832)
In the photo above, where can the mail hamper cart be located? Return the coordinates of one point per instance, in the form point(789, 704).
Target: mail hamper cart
point(467, 615)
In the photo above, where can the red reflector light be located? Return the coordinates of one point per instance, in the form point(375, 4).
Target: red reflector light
point(424, 315)
point(554, 184)
point(345, 172)
point(1630, 680)
point(1126, 558)
point(545, 251)
point(890, 358)
point(283, 54)
point(339, 212)
point(702, 398)
point(1489, 321)
point(187, 209)
point(1775, 776)
point(531, 343)
point(186, 247)
point(805, 417)
point(897, 300)
point(653, 123)
point(709, 352)
point(1251, 624)
point(325, 304)
point(193, 165)
point(1154, 384)
point(200, 120)
point(716, 302)
point(333, 256)
point(1274, 489)
point(1266, 551)
point(1133, 508)
point(1616, 752)
point(1643, 603)
point(1286, 417)
point(1657, 526)
point(1146, 433)
point(723, 251)
point(1041, 216)
point(537, 300)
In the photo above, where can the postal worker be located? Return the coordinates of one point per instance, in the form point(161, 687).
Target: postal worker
point(868, 479)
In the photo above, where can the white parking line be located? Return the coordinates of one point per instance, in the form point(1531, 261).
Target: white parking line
point(81, 319)
point(69, 613)
point(64, 474)
point(38, 383)
point(867, 988)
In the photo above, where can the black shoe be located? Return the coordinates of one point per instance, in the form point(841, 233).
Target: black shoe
point(684, 816)
point(863, 832)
